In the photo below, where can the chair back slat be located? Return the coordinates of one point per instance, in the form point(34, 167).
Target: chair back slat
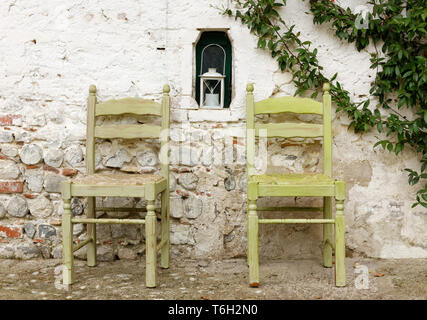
point(135, 106)
point(288, 104)
point(290, 130)
point(129, 131)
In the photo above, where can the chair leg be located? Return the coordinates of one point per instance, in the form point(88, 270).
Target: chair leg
point(340, 280)
point(253, 253)
point(151, 246)
point(327, 233)
point(67, 237)
point(165, 251)
point(247, 232)
point(91, 233)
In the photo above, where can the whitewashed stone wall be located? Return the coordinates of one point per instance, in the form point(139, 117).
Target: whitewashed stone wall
point(51, 51)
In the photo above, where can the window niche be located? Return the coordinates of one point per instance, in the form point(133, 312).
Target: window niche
point(213, 70)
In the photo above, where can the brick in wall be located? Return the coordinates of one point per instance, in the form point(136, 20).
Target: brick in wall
point(10, 231)
point(11, 186)
point(9, 119)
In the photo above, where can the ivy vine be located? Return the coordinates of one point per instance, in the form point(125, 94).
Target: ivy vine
point(398, 27)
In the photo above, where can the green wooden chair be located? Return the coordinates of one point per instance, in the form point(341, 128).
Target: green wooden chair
point(114, 184)
point(294, 185)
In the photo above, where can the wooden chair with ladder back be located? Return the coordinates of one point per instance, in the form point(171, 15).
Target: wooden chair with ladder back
point(114, 184)
point(294, 185)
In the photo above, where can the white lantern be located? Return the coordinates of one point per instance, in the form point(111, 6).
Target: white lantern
point(210, 96)
point(212, 75)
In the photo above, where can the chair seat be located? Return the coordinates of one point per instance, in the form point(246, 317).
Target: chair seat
point(298, 179)
point(118, 179)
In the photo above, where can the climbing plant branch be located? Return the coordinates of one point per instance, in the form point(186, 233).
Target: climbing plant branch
point(401, 77)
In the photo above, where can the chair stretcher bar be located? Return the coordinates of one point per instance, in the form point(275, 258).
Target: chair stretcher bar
point(82, 244)
point(296, 209)
point(332, 221)
point(108, 221)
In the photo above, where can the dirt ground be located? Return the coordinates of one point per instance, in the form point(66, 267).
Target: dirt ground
point(216, 280)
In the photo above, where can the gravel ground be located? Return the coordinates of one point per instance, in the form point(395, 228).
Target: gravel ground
point(215, 280)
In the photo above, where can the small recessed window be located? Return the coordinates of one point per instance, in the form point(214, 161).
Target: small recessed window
point(213, 70)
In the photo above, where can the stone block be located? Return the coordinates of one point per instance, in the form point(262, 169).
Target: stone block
point(118, 159)
point(40, 207)
point(30, 229)
point(188, 180)
point(6, 251)
point(27, 251)
point(74, 155)
point(2, 211)
point(17, 207)
point(77, 206)
point(9, 150)
point(6, 136)
point(126, 254)
point(34, 180)
point(53, 157)
point(181, 234)
point(176, 207)
point(31, 154)
point(147, 158)
point(52, 182)
point(193, 207)
point(230, 181)
point(104, 253)
point(46, 231)
point(78, 229)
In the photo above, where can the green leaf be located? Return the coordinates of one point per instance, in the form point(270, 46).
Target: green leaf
point(407, 73)
point(366, 127)
point(398, 148)
point(397, 70)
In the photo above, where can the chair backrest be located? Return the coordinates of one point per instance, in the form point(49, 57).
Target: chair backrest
point(289, 129)
point(133, 106)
